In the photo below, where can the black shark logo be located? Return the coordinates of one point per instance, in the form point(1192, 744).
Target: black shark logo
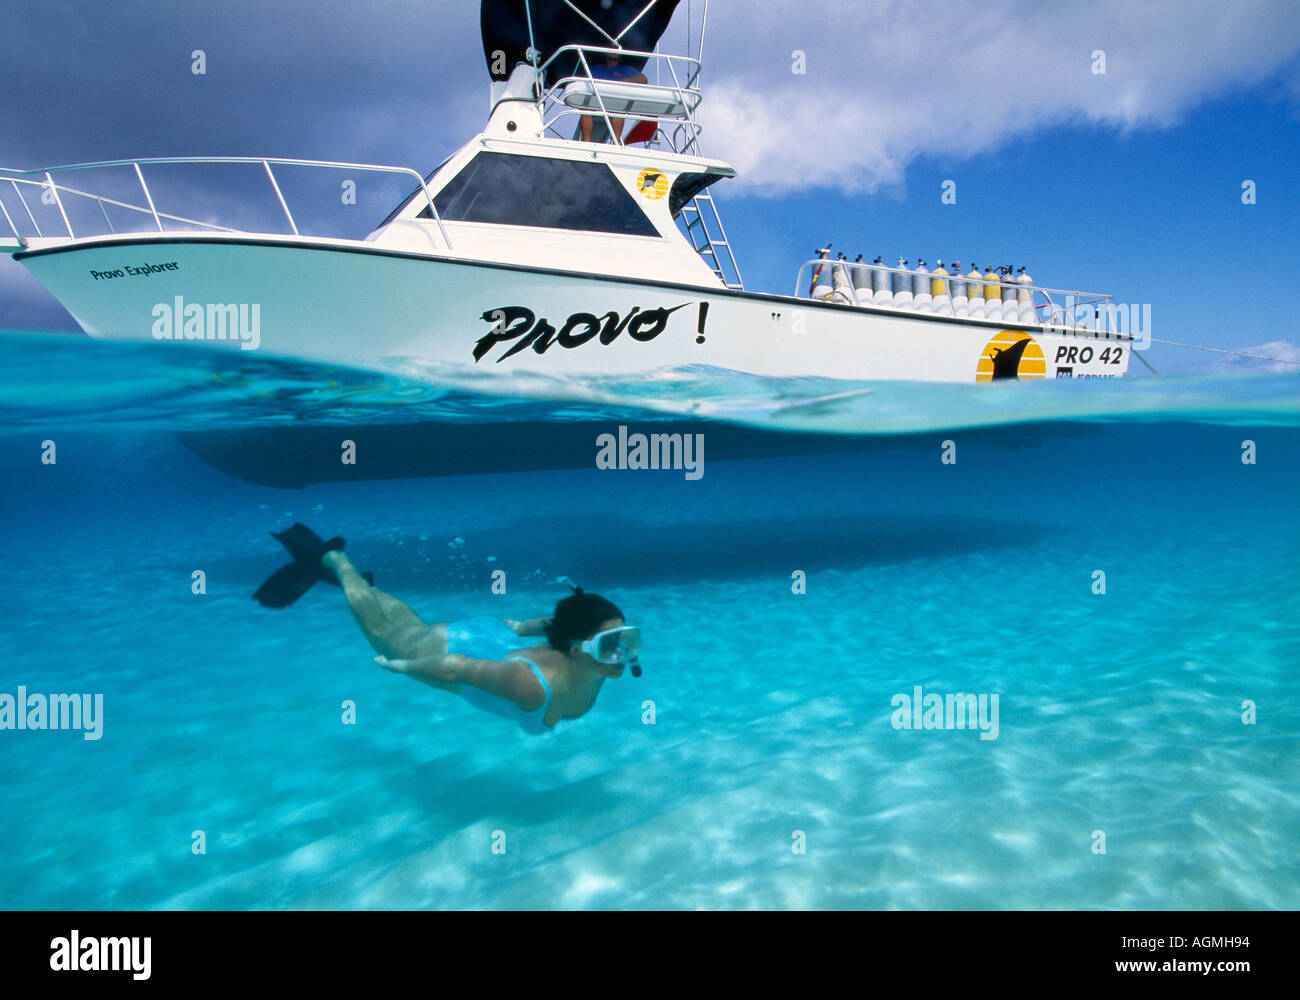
point(1006, 362)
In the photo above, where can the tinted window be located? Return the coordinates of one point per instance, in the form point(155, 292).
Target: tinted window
point(532, 191)
point(418, 191)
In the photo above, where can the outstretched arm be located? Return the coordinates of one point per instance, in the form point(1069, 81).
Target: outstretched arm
point(532, 627)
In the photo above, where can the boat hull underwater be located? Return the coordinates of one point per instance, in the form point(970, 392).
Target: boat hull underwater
point(295, 457)
point(354, 302)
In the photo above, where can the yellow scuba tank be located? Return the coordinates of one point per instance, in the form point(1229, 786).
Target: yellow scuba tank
point(940, 300)
point(992, 294)
point(975, 292)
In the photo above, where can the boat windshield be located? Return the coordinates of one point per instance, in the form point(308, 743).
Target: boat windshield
point(418, 192)
point(507, 189)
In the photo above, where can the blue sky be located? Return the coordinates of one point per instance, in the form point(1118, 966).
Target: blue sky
point(1153, 216)
point(1126, 182)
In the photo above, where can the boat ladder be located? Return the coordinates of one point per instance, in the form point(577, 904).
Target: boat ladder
point(701, 219)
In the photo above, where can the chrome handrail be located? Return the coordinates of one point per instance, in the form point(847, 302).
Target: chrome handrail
point(59, 201)
point(101, 200)
point(666, 57)
point(12, 228)
point(26, 207)
point(688, 93)
point(16, 177)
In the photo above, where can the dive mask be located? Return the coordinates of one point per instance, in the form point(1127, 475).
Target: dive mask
point(616, 645)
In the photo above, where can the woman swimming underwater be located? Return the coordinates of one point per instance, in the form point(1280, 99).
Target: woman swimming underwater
point(480, 659)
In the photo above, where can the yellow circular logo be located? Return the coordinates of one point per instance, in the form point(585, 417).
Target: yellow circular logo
point(1011, 354)
point(652, 183)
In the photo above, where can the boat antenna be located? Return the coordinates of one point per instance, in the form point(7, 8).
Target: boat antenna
point(704, 20)
point(644, 11)
point(532, 53)
point(613, 41)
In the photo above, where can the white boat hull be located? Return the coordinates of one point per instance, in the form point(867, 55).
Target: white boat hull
point(346, 300)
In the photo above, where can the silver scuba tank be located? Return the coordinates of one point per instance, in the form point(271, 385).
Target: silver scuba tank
point(861, 282)
point(1025, 297)
point(881, 289)
point(960, 304)
point(902, 282)
point(1010, 309)
point(921, 287)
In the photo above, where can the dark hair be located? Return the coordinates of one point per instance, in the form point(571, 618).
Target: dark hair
point(576, 619)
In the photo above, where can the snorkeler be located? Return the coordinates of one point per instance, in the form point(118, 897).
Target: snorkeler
point(480, 659)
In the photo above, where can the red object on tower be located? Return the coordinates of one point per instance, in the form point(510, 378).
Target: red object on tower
point(641, 132)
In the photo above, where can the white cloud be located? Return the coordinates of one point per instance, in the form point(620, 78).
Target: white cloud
point(887, 82)
point(1281, 350)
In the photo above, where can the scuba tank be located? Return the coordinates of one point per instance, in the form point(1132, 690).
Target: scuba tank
point(821, 279)
point(992, 294)
point(960, 304)
point(1010, 310)
point(842, 286)
point(880, 286)
point(921, 287)
point(1025, 296)
point(861, 282)
point(902, 286)
point(940, 299)
point(975, 290)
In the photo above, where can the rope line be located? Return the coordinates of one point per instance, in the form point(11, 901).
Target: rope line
point(1219, 350)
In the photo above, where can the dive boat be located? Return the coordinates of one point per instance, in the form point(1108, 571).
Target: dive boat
point(529, 250)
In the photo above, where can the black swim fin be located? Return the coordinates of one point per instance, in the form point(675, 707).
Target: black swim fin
point(288, 583)
point(283, 587)
point(304, 544)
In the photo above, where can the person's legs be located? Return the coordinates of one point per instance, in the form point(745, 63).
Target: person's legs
point(390, 626)
point(618, 122)
point(588, 123)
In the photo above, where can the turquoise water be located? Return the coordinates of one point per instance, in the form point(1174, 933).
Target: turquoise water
point(1118, 712)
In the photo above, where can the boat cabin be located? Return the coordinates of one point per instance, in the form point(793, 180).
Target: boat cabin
point(524, 191)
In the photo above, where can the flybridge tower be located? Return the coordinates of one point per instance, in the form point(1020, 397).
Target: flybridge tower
point(547, 63)
point(519, 36)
